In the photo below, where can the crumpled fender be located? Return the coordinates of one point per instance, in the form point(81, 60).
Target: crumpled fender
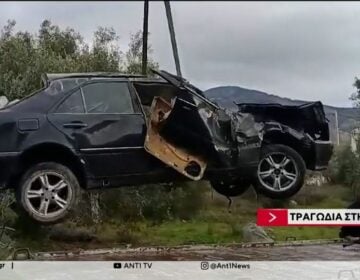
point(270, 127)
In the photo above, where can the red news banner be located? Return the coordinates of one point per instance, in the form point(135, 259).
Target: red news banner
point(308, 217)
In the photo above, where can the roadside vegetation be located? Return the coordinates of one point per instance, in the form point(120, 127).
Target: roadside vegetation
point(188, 214)
point(173, 214)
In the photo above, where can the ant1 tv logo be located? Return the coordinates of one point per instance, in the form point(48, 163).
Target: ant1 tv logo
point(133, 265)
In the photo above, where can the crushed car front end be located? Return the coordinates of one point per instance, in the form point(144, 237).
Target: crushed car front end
point(201, 140)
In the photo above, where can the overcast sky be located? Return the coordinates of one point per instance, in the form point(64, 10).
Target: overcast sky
point(302, 50)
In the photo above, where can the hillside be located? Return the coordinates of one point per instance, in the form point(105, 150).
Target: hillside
point(227, 95)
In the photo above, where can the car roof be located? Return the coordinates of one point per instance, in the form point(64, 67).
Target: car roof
point(54, 76)
point(49, 77)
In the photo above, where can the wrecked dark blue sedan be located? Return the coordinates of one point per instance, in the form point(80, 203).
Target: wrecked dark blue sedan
point(102, 130)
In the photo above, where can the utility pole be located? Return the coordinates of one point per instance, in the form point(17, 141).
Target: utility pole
point(337, 129)
point(145, 37)
point(172, 37)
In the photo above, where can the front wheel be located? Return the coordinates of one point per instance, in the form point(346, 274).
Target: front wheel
point(47, 192)
point(280, 173)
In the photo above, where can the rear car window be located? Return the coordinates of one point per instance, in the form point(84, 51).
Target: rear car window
point(108, 98)
point(73, 104)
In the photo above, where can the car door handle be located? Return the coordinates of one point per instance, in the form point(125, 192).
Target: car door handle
point(75, 124)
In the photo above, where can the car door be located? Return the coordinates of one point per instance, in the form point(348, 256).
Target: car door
point(107, 127)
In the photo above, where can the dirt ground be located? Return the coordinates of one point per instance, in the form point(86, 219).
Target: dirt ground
point(196, 252)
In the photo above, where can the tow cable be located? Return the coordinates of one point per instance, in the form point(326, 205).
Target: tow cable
point(229, 203)
point(228, 198)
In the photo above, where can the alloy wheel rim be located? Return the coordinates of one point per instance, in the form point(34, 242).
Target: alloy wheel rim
point(48, 194)
point(277, 172)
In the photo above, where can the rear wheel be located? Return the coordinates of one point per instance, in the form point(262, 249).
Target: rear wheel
point(47, 192)
point(280, 173)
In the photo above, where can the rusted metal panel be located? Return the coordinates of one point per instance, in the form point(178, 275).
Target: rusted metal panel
point(190, 165)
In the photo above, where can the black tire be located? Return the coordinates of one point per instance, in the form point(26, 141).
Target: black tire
point(230, 189)
point(296, 166)
point(34, 182)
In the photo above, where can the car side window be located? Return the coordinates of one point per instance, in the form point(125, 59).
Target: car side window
point(108, 98)
point(73, 104)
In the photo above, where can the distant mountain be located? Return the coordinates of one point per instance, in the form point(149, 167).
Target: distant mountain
point(227, 95)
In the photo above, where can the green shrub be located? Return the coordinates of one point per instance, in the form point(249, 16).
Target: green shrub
point(345, 168)
point(154, 203)
point(7, 216)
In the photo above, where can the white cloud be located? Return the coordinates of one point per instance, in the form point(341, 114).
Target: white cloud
point(302, 50)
